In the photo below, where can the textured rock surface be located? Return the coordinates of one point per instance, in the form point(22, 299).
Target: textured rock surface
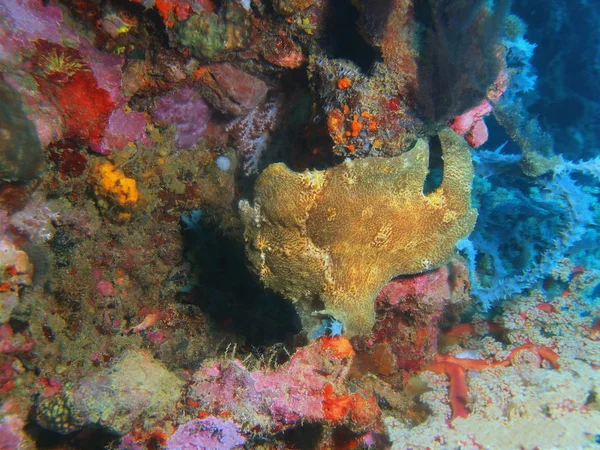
point(340, 235)
point(135, 387)
point(309, 388)
point(21, 154)
point(230, 90)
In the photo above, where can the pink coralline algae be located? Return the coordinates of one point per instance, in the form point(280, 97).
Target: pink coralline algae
point(187, 112)
point(123, 127)
point(105, 289)
point(28, 20)
point(206, 434)
point(409, 310)
point(11, 432)
point(309, 387)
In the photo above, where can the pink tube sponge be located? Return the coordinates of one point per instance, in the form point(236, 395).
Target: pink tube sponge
point(471, 125)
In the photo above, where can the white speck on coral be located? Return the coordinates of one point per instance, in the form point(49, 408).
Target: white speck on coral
point(223, 163)
point(245, 4)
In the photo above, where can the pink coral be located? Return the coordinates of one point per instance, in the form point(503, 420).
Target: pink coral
point(123, 128)
point(184, 109)
point(252, 132)
point(11, 432)
point(105, 289)
point(208, 434)
point(309, 387)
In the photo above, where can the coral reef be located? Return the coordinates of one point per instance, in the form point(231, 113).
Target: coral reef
point(357, 226)
point(506, 401)
point(498, 272)
point(252, 133)
point(209, 34)
point(309, 272)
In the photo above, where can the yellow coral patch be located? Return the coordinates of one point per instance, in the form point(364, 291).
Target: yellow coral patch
point(114, 184)
point(384, 226)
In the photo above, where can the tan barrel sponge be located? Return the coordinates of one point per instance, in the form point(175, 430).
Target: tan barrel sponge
point(340, 235)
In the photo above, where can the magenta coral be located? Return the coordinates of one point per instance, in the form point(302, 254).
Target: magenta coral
point(207, 434)
point(123, 127)
point(11, 432)
point(187, 112)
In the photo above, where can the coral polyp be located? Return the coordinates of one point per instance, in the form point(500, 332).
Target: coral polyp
point(56, 63)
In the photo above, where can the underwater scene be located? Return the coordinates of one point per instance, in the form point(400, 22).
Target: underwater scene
point(299, 224)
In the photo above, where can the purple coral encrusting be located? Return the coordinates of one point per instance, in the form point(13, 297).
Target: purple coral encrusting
point(187, 112)
point(207, 434)
point(123, 127)
point(11, 432)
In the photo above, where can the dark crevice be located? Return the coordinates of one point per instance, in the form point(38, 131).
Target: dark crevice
point(92, 438)
point(343, 39)
point(303, 437)
point(231, 295)
point(436, 166)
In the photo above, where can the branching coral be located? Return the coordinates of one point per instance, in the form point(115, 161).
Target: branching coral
point(342, 234)
point(563, 211)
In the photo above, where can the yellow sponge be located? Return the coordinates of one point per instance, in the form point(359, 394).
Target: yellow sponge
point(114, 184)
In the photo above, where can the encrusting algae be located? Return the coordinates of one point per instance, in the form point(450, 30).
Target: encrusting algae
point(340, 235)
